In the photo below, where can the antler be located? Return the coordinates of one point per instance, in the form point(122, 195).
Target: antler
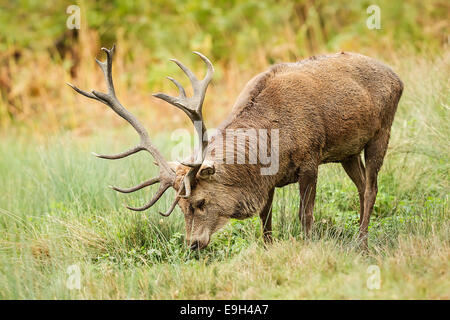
point(192, 106)
point(166, 176)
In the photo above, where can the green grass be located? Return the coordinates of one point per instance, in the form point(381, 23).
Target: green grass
point(56, 211)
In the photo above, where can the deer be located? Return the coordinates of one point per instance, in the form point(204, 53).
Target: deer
point(324, 109)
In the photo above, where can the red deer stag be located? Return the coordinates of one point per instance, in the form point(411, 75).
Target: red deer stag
point(323, 109)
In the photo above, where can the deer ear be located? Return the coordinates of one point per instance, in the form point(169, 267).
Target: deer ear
point(207, 169)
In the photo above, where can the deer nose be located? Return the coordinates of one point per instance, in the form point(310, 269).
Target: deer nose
point(194, 245)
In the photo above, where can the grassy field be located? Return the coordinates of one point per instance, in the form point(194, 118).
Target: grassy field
point(56, 212)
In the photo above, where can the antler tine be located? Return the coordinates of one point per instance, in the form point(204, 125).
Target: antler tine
point(166, 174)
point(119, 155)
point(208, 77)
point(169, 211)
point(138, 187)
point(174, 203)
point(107, 69)
point(162, 188)
point(193, 108)
point(179, 86)
point(188, 178)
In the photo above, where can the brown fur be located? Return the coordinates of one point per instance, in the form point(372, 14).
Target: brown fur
point(328, 109)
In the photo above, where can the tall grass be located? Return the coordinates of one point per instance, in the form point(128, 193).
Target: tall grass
point(55, 211)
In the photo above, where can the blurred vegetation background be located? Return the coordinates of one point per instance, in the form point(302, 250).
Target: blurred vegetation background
point(55, 211)
point(38, 53)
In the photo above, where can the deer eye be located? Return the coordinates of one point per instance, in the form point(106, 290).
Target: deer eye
point(200, 204)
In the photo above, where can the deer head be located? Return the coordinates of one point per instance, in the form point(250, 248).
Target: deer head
point(198, 191)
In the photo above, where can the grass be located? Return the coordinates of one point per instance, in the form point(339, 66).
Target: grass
point(55, 211)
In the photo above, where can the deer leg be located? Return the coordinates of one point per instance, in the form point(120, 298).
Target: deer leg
point(356, 171)
point(374, 155)
point(307, 181)
point(266, 219)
